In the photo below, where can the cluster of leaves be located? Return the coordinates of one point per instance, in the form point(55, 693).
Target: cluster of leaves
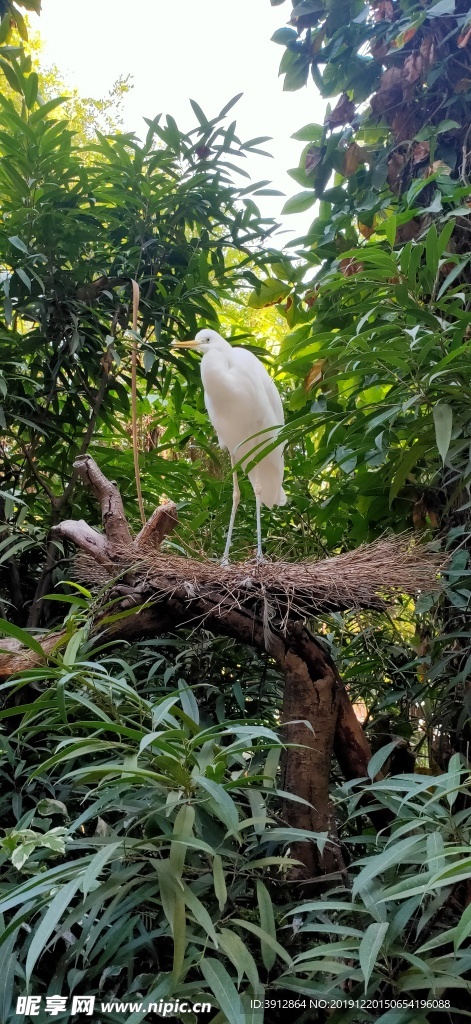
point(153, 879)
point(404, 74)
point(76, 226)
point(168, 867)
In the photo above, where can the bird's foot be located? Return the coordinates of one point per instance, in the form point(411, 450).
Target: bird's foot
point(259, 559)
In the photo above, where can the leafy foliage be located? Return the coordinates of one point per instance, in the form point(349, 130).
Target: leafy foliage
point(74, 232)
point(143, 845)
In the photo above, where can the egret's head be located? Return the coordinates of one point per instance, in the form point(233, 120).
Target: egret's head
point(205, 341)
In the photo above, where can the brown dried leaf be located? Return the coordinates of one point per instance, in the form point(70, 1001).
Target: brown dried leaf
point(420, 152)
point(406, 232)
point(464, 38)
point(395, 165)
point(463, 85)
point(427, 51)
point(314, 375)
point(378, 49)
point(440, 166)
point(342, 113)
point(360, 710)
point(365, 229)
point(383, 10)
point(403, 124)
point(409, 34)
point(390, 92)
point(310, 297)
point(312, 159)
point(413, 68)
point(348, 267)
point(354, 156)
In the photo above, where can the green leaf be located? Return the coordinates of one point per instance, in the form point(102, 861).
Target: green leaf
point(409, 459)
point(183, 828)
point(462, 930)
point(31, 89)
point(441, 8)
point(179, 935)
point(12, 75)
point(300, 202)
point(46, 108)
point(97, 864)
point(199, 912)
point(390, 228)
point(73, 646)
point(431, 250)
point(270, 292)
point(200, 115)
point(284, 36)
point(443, 420)
point(18, 244)
point(43, 931)
point(309, 133)
point(228, 106)
point(48, 806)
point(21, 854)
point(239, 955)
point(457, 270)
point(223, 989)
point(376, 762)
point(267, 923)
point(377, 865)
point(23, 276)
point(20, 24)
point(264, 937)
point(5, 27)
point(222, 804)
point(20, 634)
point(370, 946)
point(219, 882)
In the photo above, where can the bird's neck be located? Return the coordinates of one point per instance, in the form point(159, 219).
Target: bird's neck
point(214, 362)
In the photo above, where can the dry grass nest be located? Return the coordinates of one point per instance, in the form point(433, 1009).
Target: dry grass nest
point(371, 576)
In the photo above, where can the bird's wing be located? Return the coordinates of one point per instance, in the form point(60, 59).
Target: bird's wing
point(246, 361)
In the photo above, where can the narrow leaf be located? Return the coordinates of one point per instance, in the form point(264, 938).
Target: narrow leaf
point(267, 922)
point(46, 926)
point(443, 420)
point(223, 989)
point(370, 946)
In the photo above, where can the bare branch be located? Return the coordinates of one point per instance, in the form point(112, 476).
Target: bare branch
point(160, 524)
point(112, 512)
point(85, 538)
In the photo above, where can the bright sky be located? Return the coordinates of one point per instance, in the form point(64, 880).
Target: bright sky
point(208, 50)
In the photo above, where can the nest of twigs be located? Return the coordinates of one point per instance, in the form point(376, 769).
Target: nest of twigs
point(372, 576)
point(138, 569)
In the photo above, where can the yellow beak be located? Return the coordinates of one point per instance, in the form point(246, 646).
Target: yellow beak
point(184, 344)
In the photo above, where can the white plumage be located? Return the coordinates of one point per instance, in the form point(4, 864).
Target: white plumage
point(242, 400)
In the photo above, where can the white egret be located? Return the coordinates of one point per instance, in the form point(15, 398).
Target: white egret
point(242, 400)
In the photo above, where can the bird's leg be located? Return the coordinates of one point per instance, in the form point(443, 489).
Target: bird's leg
point(257, 489)
point(235, 502)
